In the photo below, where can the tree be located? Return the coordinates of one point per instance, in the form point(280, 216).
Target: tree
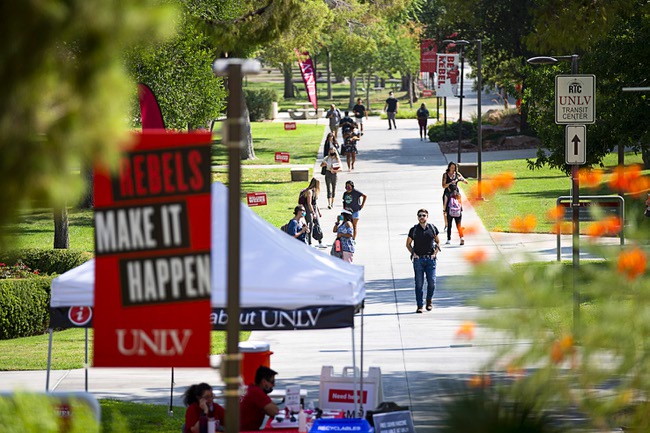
point(179, 72)
point(65, 92)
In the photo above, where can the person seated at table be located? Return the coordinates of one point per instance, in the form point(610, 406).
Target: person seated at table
point(256, 403)
point(199, 401)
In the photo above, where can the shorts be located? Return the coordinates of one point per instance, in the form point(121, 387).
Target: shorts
point(355, 215)
point(359, 120)
point(422, 122)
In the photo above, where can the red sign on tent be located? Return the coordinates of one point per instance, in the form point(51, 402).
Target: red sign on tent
point(152, 247)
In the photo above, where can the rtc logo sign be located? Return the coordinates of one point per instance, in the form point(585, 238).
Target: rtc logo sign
point(575, 99)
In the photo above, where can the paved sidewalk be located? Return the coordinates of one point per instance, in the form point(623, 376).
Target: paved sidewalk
point(417, 353)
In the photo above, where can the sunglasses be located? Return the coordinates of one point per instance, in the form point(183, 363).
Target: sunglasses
point(422, 215)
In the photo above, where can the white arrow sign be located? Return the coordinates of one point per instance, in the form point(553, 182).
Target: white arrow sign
point(576, 144)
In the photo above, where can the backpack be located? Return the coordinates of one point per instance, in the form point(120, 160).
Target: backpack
point(317, 232)
point(434, 229)
point(285, 228)
point(455, 207)
point(302, 198)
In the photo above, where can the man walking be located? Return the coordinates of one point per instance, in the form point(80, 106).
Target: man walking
point(390, 107)
point(422, 242)
point(359, 113)
point(334, 116)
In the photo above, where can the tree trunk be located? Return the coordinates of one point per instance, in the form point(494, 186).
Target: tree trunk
point(645, 154)
point(368, 93)
point(409, 86)
point(247, 150)
point(61, 238)
point(404, 87)
point(329, 73)
point(88, 199)
point(288, 80)
point(353, 91)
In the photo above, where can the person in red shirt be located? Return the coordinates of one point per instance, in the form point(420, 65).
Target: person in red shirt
point(256, 403)
point(200, 406)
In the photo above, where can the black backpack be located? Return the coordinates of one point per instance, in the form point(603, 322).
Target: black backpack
point(436, 247)
point(285, 228)
point(302, 198)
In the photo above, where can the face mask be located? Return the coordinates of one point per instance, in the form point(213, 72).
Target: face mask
point(268, 391)
point(304, 213)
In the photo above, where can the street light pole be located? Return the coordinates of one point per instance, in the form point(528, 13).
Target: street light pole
point(479, 79)
point(575, 197)
point(460, 114)
point(235, 70)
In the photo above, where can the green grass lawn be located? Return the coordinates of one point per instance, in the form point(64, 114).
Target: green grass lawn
point(535, 192)
point(30, 353)
point(120, 416)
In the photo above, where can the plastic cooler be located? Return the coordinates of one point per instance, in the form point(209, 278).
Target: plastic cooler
point(254, 354)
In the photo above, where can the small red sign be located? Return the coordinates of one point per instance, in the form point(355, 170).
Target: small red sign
point(256, 199)
point(289, 126)
point(345, 396)
point(427, 92)
point(79, 316)
point(281, 156)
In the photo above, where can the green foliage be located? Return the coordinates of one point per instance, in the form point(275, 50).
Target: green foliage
point(65, 91)
point(17, 270)
point(18, 415)
point(24, 306)
point(47, 261)
point(260, 103)
point(437, 131)
point(180, 74)
point(141, 417)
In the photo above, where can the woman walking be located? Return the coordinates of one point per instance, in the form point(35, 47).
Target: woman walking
point(343, 229)
point(450, 177)
point(309, 199)
point(453, 208)
point(330, 141)
point(422, 115)
point(332, 164)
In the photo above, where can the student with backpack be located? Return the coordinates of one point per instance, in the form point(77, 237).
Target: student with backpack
point(422, 243)
point(453, 208)
point(297, 227)
point(309, 199)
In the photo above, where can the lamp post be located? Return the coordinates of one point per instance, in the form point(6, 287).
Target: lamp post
point(575, 194)
point(234, 70)
point(479, 83)
point(460, 43)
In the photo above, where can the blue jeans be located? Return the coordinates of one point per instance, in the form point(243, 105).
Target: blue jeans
point(423, 266)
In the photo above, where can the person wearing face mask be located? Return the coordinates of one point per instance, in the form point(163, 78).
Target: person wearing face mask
point(297, 226)
point(256, 403)
point(200, 406)
point(351, 198)
point(332, 164)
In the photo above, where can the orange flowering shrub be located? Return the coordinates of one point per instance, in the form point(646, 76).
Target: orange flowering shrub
point(476, 256)
point(466, 331)
point(563, 228)
point(590, 178)
point(607, 226)
point(504, 180)
point(561, 349)
point(523, 225)
point(471, 229)
point(556, 213)
point(489, 187)
point(479, 381)
point(629, 179)
point(632, 263)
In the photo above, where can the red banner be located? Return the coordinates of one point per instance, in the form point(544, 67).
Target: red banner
point(308, 76)
point(256, 199)
point(282, 156)
point(289, 126)
point(428, 52)
point(152, 248)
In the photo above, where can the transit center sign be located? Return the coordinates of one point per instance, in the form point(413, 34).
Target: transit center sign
point(575, 99)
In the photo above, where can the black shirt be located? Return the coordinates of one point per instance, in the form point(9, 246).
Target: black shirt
point(392, 105)
point(423, 239)
point(359, 111)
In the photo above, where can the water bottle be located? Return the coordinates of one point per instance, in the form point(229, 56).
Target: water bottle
point(212, 425)
point(302, 421)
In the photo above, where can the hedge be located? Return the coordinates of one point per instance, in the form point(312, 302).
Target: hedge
point(260, 103)
point(24, 307)
point(437, 131)
point(47, 261)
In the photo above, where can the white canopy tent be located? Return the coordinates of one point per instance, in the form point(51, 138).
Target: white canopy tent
point(289, 283)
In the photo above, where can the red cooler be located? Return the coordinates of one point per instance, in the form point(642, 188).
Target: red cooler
point(254, 354)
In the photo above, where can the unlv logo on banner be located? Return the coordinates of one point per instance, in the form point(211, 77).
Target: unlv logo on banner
point(152, 265)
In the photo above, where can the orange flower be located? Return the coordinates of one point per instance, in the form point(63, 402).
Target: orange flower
point(556, 213)
point(466, 331)
point(479, 381)
point(476, 256)
point(596, 229)
point(562, 348)
point(504, 180)
point(590, 178)
point(562, 228)
point(624, 178)
point(523, 225)
point(632, 263)
point(471, 229)
point(487, 188)
point(639, 186)
point(514, 371)
point(607, 226)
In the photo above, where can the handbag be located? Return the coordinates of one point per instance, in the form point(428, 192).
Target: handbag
point(323, 170)
point(336, 250)
point(317, 231)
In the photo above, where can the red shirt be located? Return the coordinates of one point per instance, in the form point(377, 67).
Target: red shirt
point(251, 408)
point(193, 413)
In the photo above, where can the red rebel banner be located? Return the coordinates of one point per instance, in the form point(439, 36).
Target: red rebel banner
point(282, 156)
point(448, 75)
point(152, 248)
point(308, 76)
point(289, 126)
point(428, 52)
point(256, 199)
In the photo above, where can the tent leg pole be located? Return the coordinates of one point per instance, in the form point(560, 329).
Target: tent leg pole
point(355, 387)
point(86, 363)
point(49, 361)
point(171, 396)
point(361, 414)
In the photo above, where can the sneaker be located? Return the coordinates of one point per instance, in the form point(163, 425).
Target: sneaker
point(329, 206)
point(419, 310)
point(462, 241)
point(445, 229)
point(390, 129)
point(429, 305)
point(448, 242)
